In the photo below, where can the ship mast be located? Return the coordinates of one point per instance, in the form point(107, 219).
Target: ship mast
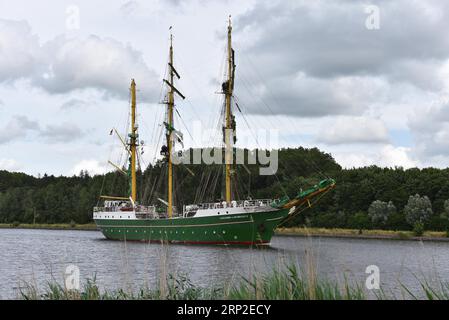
point(170, 125)
point(133, 142)
point(131, 150)
point(229, 132)
point(171, 103)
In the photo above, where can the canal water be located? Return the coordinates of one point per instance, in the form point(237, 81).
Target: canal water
point(41, 256)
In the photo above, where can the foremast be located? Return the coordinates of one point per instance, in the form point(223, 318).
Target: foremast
point(229, 129)
point(130, 146)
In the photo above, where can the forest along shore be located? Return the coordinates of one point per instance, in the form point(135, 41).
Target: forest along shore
point(295, 232)
point(367, 198)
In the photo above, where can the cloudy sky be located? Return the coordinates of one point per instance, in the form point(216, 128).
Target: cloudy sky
point(324, 73)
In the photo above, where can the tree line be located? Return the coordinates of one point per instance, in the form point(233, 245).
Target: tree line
point(365, 198)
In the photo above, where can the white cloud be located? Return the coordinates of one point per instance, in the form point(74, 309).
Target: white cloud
point(352, 160)
point(306, 96)
point(131, 9)
point(391, 156)
point(17, 128)
point(19, 50)
point(66, 64)
point(64, 132)
point(94, 62)
point(73, 104)
point(9, 165)
point(430, 129)
point(332, 39)
point(347, 130)
point(385, 156)
point(346, 69)
point(94, 167)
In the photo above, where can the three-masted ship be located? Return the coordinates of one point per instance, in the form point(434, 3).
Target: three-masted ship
point(229, 222)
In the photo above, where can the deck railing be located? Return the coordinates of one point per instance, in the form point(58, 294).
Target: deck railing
point(234, 204)
point(138, 209)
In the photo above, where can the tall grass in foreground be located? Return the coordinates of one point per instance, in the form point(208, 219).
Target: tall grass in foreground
point(286, 284)
point(177, 289)
point(293, 285)
point(286, 281)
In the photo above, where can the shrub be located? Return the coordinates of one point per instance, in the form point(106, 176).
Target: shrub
point(397, 222)
point(403, 236)
point(418, 229)
point(359, 221)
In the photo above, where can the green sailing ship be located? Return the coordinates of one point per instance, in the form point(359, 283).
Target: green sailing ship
point(226, 222)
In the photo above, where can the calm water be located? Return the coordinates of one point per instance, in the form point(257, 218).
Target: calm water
point(39, 256)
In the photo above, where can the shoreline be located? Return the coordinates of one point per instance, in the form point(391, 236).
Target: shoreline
point(43, 226)
point(366, 234)
point(282, 232)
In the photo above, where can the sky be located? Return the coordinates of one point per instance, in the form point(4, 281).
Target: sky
point(366, 81)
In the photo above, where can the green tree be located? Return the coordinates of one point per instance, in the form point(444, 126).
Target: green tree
point(380, 211)
point(445, 216)
point(418, 210)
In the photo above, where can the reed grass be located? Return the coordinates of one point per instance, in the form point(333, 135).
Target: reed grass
point(288, 284)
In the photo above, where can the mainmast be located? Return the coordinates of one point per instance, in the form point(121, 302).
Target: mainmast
point(133, 142)
point(170, 125)
point(228, 88)
point(171, 103)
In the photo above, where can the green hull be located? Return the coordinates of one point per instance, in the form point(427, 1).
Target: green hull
point(237, 229)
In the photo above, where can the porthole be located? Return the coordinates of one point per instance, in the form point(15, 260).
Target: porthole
point(224, 232)
point(235, 237)
point(214, 232)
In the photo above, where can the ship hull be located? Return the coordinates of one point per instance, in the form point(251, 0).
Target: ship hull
point(255, 228)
